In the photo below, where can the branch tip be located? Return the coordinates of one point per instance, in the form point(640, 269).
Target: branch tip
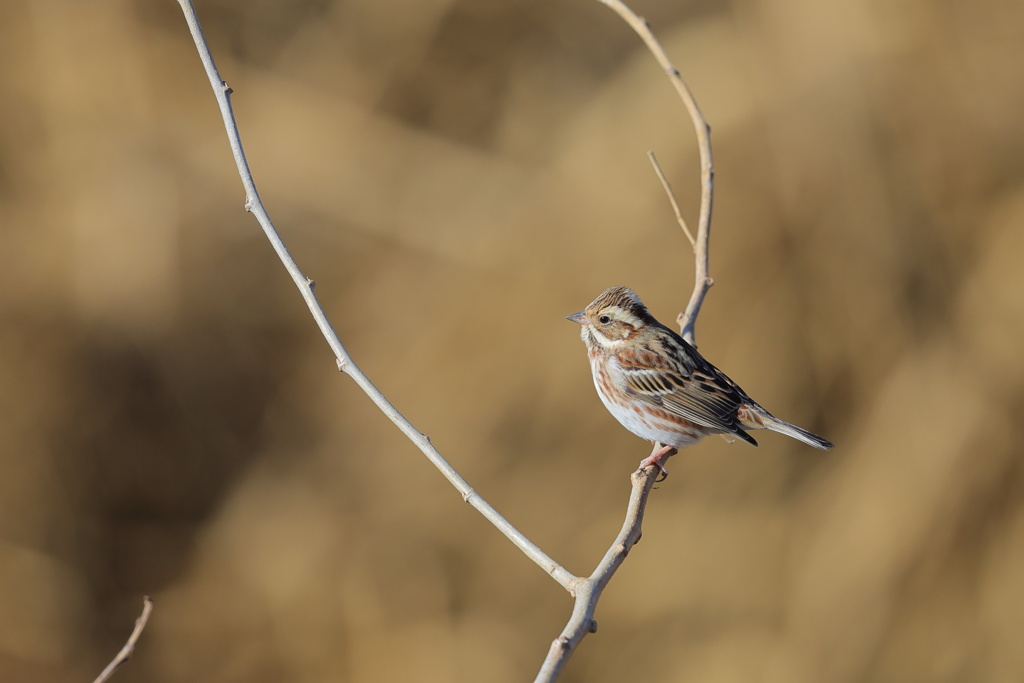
point(129, 647)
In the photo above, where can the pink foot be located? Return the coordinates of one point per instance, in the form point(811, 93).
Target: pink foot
point(659, 454)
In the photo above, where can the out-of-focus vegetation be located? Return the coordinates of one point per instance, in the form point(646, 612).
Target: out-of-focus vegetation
point(457, 176)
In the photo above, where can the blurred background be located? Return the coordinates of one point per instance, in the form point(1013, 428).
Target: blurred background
point(457, 176)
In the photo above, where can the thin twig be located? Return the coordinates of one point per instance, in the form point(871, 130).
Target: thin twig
point(344, 360)
point(671, 198)
point(702, 281)
point(129, 647)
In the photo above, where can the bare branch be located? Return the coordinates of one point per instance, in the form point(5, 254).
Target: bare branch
point(702, 281)
point(671, 198)
point(129, 647)
point(342, 357)
point(588, 591)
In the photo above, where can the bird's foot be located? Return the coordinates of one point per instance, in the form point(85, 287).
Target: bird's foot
point(657, 458)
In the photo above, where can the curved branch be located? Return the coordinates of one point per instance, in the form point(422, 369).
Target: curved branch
point(344, 360)
point(588, 591)
point(702, 281)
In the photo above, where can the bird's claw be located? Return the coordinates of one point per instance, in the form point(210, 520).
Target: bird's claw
point(660, 452)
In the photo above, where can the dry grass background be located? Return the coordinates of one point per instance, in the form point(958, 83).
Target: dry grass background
point(457, 176)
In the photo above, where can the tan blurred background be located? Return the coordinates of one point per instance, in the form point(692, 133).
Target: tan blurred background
point(457, 175)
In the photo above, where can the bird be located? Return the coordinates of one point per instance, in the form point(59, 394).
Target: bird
point(660, 388)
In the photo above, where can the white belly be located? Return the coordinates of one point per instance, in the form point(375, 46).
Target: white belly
point(643, 423)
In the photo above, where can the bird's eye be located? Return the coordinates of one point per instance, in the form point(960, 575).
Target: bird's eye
point(604, 320)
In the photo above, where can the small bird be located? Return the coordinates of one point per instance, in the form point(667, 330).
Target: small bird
point(657, 385)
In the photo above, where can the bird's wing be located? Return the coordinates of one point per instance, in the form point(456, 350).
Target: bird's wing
point(671, 374)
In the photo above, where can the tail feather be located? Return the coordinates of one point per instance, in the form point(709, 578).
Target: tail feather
point(776, 425)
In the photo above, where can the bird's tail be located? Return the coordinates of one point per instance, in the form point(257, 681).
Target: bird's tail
point(798, 433)
point(757, 417)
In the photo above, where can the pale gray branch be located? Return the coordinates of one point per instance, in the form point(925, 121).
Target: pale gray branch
point(344, 360)
point(129, 647)
point(588, 591)
point(702, 281)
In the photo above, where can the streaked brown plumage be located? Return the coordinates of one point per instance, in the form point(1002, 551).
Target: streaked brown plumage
point(659, 387)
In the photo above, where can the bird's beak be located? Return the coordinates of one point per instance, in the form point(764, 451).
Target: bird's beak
point(578, 318)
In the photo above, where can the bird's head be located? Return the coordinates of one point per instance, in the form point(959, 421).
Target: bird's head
point(612, 318)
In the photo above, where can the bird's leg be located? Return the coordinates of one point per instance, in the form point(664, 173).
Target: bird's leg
point(657, 457)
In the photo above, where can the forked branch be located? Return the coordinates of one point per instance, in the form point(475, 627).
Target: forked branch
point(702, 281)
point(586, 591)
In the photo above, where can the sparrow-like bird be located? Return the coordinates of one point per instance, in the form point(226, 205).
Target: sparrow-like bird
point(657, 385)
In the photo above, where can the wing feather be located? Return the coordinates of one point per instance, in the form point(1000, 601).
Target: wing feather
point(677, 378)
